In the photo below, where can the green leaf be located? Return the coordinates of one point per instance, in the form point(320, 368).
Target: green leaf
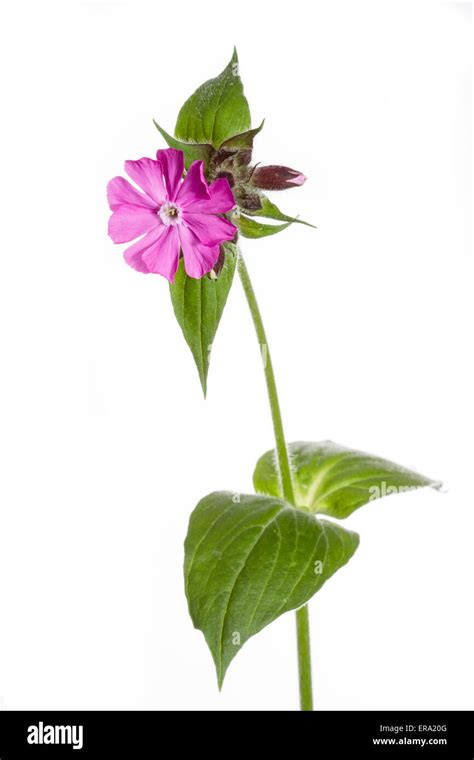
point(198, 306)
point(334, 480)
point(249, 559)
point(217, 110)
point(270, 211)
point(242, 141)
point(192, 151)
point(249, 228)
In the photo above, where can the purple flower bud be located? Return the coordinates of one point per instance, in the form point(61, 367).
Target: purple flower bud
point(277, 178)
point(248, 199)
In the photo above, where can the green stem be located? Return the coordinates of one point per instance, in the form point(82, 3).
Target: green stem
point(302, 618)
point(304, 658)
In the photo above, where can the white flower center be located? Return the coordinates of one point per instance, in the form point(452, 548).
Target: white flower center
point(170, 213)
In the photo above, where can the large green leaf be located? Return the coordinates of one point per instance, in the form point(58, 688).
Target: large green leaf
point(249, 559)
point(270, 210)
point(334, 480)
point(192, 151)
point(198, 306)
point(217, 110)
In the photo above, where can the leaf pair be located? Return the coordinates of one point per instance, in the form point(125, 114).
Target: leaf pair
point(215, 120)
point(217, 112)
point(251, 558)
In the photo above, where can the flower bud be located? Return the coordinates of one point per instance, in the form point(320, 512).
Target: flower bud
point(243, 157)
point(248, 199)
point(276, 178)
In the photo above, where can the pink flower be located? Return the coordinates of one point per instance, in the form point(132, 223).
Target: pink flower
point(170, 215)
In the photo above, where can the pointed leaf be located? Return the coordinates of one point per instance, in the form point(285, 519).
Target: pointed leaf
point(198, 306)
point(270, 211)
point(334, 480)
point(217, 110)
point(250, 228)
point(249, 559)
point(192, 151)
point(242, 141)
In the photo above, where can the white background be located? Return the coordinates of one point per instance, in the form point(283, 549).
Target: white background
point(107, 442)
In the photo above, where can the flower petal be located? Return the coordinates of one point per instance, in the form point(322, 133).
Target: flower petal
point(199, 259)
point(133, 254)
point(163, 256)
point(128, 222)
point(148, 174)
point(222, 199)
point(209, 228)
point(172, 162)
point(222, 196)
point(119, 191)
point(194, 186)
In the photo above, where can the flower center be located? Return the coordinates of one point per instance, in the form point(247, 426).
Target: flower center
point(170, 213)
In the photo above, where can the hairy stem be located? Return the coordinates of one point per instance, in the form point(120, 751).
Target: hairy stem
point(304, 658)
point(302, 618)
